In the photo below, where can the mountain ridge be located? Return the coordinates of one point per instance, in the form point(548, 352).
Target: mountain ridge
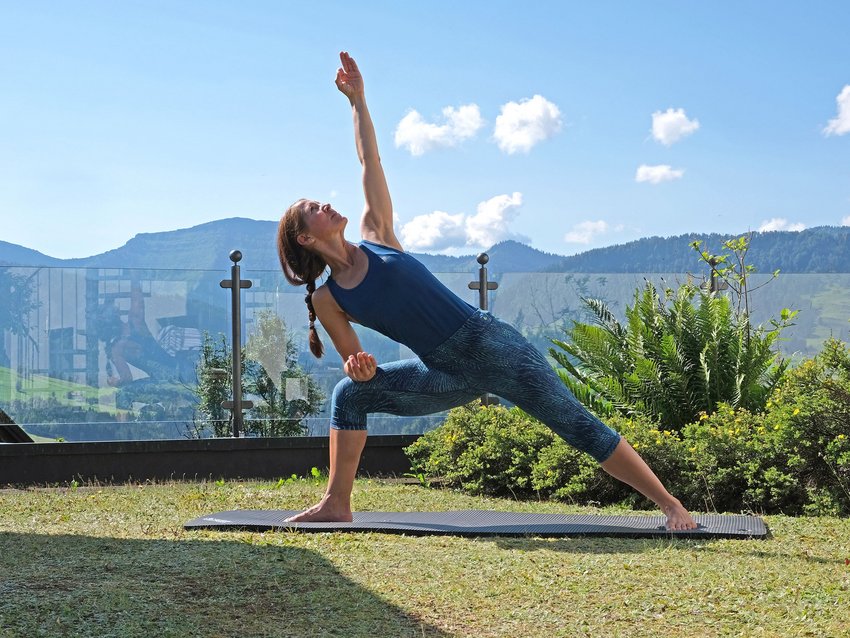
point(207, 247)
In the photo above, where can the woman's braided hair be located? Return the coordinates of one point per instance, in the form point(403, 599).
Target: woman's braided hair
point(300, 266)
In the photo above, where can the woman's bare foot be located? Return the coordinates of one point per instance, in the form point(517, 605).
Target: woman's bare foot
point(678, 518)
point(325, 511)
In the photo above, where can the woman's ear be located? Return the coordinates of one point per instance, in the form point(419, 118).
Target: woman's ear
point(304, 239)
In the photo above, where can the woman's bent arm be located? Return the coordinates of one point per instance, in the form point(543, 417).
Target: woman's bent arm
point(358, 365)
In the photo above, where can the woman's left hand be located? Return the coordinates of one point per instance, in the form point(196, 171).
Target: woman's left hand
point(348, 78)
point(361, 367)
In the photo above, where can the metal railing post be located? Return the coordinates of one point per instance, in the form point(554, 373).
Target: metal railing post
point(236, 284)
point(483, 286)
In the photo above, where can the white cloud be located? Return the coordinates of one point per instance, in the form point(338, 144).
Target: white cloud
point(672, 125)
point(435, 231)
point(419, 136)
point(846, 221)
point(440, 231)
point(841, 123)
point(524, 124)
point(780, 223)
point(585, 232)
point(490, 224)
point(657, 174)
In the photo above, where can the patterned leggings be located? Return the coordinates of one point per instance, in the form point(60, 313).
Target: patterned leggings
point(484, 355)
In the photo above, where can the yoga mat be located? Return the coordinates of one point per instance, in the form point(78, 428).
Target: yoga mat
point(490, 523)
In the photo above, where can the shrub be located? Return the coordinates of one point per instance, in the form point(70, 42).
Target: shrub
point(672, 359)
point(500, 451)
point(735, 463)
point(565, 473)
point(483, 450)
point(793, 458)
point(809, 416)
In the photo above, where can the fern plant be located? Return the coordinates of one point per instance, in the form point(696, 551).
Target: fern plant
point(678, 353)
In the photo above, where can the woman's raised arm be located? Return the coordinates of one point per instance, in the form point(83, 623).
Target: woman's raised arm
point(377, 221)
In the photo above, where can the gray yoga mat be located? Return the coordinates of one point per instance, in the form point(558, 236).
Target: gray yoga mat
point(489, 523)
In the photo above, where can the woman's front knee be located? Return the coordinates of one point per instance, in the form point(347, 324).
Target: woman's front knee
point(343, 385)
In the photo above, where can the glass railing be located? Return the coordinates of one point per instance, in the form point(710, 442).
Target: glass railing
point(111, 354)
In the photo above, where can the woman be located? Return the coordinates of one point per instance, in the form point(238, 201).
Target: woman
point(462, 352)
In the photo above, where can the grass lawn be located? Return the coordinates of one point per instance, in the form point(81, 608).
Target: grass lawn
point(42, 386)
point(115, 561)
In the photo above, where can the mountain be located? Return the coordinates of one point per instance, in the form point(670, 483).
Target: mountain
point(207, 246)
point(14, 255)
point(203, 247)
point(822, 249)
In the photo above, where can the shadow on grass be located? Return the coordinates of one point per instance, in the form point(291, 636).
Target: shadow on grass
point(86, 586)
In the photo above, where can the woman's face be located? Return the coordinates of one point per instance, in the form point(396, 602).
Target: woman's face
point(321, 221)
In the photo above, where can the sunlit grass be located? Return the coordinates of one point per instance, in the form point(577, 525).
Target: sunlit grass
point(15, 387)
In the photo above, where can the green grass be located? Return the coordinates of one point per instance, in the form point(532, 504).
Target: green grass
point(115, 561)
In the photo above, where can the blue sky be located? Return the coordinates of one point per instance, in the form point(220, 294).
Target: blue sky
point(568, 125)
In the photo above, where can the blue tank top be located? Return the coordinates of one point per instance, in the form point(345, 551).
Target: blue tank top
point(401, 299)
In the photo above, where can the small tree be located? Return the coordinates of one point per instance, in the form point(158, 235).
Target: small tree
point(17, 301)
point(285, 391)
point(214, 387)
point(282, 392)
point(733, 270)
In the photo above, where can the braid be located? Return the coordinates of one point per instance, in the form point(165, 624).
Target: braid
point(316, 346)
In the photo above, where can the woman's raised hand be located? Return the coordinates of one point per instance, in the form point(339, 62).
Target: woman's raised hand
point(360, 367)
point(348, 78)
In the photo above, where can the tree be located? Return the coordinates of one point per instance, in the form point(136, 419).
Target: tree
point(733, 270)
point(283, 393)
point(17, 300)
point(213, 388)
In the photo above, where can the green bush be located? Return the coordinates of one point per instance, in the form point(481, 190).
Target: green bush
point(500, 451)
point(565, 473)
point(734, 462)
point(483, 450)
point(792, 458)
point(809, 417)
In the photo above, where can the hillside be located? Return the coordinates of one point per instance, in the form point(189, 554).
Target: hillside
point(823, 249)
point(203, 247)
point(14, 255)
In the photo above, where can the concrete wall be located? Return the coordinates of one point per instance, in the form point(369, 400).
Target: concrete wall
point(121, 461)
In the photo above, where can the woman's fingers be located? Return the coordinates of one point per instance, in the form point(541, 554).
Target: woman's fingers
point(361, 366)
point(346, 60)
point(348, 63)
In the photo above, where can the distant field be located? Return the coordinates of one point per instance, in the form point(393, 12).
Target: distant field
point(14, 387)
point(67, 393)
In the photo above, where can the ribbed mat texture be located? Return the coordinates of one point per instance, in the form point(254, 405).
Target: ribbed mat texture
point(489, 523)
